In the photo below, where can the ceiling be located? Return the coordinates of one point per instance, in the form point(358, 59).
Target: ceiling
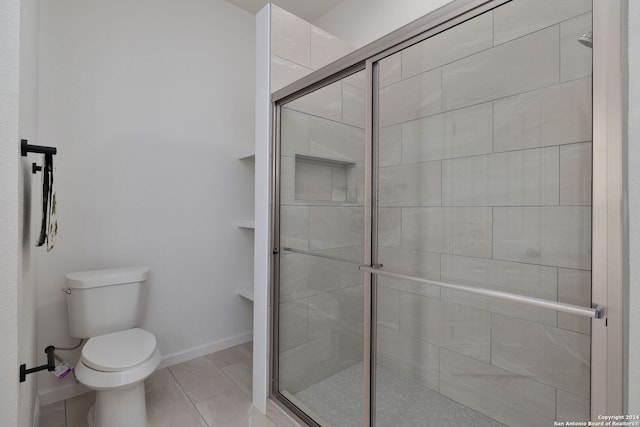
point(309, 10)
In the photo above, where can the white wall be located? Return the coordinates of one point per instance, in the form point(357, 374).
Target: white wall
point(18, 118)
point(28, 192)
point(633, 334)
point(9, 233)
point(150, 104)
point(360, 22)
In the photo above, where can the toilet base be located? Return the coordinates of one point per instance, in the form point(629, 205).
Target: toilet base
point(119, 408)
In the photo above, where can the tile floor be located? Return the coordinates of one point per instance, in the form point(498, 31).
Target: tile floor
point(211, 391)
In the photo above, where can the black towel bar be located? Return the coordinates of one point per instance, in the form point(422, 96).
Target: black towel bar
point(25, 148)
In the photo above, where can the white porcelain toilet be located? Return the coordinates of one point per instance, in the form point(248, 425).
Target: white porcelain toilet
point(104, 306)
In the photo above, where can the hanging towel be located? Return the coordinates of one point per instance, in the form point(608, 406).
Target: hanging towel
point(49, 223)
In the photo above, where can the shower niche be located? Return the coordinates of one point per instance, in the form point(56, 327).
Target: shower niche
point(324, 180)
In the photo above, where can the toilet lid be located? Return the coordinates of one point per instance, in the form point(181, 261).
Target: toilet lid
point(119, 351)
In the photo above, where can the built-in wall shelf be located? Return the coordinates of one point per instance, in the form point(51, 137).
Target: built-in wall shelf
point(246, 292)
point(246, 223)
point(248, 156)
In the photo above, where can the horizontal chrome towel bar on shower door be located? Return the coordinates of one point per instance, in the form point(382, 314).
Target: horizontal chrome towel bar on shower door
point(597, 313)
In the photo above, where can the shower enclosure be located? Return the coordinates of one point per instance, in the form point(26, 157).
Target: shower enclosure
point(433, 224)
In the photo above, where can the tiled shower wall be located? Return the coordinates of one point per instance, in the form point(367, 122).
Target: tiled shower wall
point(485, 180)
point(322, 194)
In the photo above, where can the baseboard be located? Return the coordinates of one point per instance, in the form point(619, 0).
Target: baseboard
point(202, 350)
point(36, 412)
point(47, 397)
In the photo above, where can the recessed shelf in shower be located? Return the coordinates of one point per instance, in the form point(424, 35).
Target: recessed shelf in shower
point(319, 179)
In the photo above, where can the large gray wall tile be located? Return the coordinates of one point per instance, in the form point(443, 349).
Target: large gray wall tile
point(336, 226)
point(552, 116)
point(509, 398)
point(550, 355)
point(295, 132)
point(324, 102)
point(463, 40)
point(574, 287)
point(524, 177)
point(390, 227)
point(571, 407)
point(294, 227)
point(390, 145)
point(302, 276)
point(316, 360)
point(390, 70)
point(575, 174)
point(284, 72)
point(575, 59)
point(464, 132)
point(302, 133)
point(521, 17)
point(353, 105)
point(455, 327)
point(293, 323)
point(457, 231)
point(409, 357)
point(290, 37)
point(555, 236)
point(417, 184)
point(522, 279)
point(287, 180)
point(336, 140)
point(388, 307)
point(411, 99)
point(326, 48)
point(528, 63)
point(420, 264)
point(335, 311)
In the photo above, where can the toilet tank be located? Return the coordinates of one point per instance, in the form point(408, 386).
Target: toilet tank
point(104, 301)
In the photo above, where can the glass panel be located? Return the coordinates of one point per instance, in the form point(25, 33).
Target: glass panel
point(320, 306)
point(484, 180)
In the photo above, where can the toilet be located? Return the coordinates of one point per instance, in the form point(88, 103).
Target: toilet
point(104, 307)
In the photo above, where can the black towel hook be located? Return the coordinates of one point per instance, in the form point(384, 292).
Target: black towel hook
point(25, 148)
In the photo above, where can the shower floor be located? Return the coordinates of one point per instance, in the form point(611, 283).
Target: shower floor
point(400, 402)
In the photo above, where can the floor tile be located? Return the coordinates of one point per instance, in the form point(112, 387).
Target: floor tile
point(158, 380)
point(53, 415)
point(241, 374)
point(201, 379)
point(77, 409)
point(222, 379)
point(233, 409)
point(169, 407)
point(230, 356)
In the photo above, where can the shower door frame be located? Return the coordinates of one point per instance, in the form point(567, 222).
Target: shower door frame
point(608, 204)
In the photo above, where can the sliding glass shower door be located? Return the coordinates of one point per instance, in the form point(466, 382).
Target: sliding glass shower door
point(484, 181)
point(321, 244)
point(434, 228)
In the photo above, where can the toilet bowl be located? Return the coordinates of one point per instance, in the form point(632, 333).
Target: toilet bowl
point(116, 365)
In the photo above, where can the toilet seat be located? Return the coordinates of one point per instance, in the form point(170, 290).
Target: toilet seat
point(119, 351)
point(118, 360)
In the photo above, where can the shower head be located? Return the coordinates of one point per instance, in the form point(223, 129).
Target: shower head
point(586, 39)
